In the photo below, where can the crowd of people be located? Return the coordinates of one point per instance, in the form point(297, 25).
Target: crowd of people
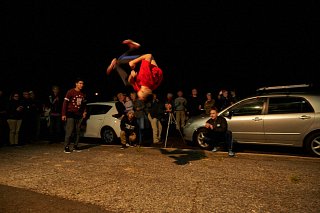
point(156, 113)
point(25, 118)
point(60, 116)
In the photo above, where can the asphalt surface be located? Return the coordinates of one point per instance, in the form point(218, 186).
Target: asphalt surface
point(102, 178)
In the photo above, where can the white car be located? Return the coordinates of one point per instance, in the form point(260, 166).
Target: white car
point(102, 122)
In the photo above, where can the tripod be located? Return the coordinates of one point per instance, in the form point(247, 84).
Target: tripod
point(171, 119)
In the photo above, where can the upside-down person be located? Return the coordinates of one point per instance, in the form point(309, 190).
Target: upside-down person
point(146, 79)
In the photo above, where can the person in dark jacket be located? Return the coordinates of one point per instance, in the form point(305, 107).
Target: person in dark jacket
point(121, 108)
point(129, 130)
point(15, 111)
point(55, 100)
point(4, 128)
point(218, 131)
point(155, 115)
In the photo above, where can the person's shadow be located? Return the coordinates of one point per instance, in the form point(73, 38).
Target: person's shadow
point(183, 157)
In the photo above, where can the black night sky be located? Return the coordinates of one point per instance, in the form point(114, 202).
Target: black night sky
point(205, 44)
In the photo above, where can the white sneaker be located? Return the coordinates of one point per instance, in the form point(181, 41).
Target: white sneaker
point(214, 149)
point(231, 153)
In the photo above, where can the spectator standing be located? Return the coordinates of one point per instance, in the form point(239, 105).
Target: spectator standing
point(4, 128)
point(37, 111)
point(209, 103)
point(128, 104)
point(55, 100)
point(73, 112)
point(121, 108)
point(129, 130)
point(194, 103)
point(156, 112)
point(233, 97)
point(140, 114)
point(223, 100)
point(27, 128)
point(15, 110)
point(180, 106)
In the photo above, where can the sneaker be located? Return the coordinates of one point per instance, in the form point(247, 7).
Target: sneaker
point(124, 146)
point(76, 148)
point(131, 44)
point(111, 66)
point(67, 150)
point(214, 149)
point(231, 153)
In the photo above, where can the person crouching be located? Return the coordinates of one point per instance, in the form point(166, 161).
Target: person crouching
point(129, 130)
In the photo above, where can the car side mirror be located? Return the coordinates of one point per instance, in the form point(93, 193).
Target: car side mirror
point(227, 114)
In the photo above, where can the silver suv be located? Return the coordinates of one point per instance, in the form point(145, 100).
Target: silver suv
point(276, 117)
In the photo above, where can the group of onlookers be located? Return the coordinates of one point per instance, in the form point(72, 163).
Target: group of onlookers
point(156, 113)
point(22, 118)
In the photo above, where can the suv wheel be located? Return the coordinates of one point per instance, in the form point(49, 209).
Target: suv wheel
point(313, 144)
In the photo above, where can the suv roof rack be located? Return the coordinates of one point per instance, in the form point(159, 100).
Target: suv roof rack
point(285, 89)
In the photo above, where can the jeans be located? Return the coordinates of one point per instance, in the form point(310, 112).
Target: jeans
point(72, 127)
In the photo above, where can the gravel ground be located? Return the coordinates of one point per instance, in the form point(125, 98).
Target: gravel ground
point(103, 178)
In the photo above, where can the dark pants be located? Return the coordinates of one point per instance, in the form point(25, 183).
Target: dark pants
point(55, 128)
point(72, 129)
point(215, 138)
point(123, 67)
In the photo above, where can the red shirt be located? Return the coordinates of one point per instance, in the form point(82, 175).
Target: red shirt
point(73, 104)
point(149, 75)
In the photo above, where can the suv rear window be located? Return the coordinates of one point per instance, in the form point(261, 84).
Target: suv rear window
point(284, 105)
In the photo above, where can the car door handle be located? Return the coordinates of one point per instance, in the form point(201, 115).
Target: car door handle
point(257, 119)
point(304, 117)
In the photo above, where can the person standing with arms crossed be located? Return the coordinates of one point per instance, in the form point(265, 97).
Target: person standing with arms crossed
point(73, 112)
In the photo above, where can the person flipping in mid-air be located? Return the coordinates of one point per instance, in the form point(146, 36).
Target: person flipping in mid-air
point(144, 81)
